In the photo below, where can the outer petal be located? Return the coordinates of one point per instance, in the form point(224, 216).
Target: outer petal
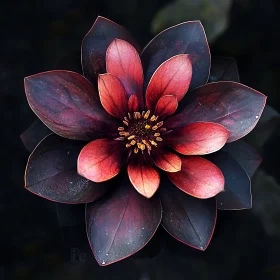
point(189, 220)
point(143, 176)
point(101, 160)
point(95, 45)
point(67, 103)
point(245, 154)
point(198, 177)
point(171, 77)
point(185, 38)
point(123, 61)
point(198, 138)
point(235, 106)
point(112, 95)
point(121, 224)
point(237, 194)
point(167, 161)
point(51, 173)
point(133, 103)
point(223, 69)
point(34, 134)
point(166, 106)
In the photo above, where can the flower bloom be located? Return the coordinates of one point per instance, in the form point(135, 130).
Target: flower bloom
point(148, 111)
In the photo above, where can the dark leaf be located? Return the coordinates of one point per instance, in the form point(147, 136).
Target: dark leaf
point(246, 156)
point(185, 38)
point(95, 44)
point(68, 104)
point(51, 173)
point(121, 224)
point(237, 194)
point(223, 69)
point(188, 219)
point(33, 135)
point(233, 105)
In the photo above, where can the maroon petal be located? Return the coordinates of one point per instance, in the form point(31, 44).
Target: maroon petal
point(233, 105)
point(223, 69)
point(172, 77)
point(185, 38)
point(34, 134)
point(189, 220)
point(96, 43)
point(102, 159)
point(123, 61)
point(51, 173)
point(68, 104)
point(245, 154)
point(121, 224)
point(133, 104)
point(143, 176)
point(112, 95)
point(167, 161)
point(166, 106)
point(237, 194)
point(198, 138)
point(198, 177)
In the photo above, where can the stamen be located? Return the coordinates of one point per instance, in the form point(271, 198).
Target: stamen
point(143, 114)
point(124, 133)
point(125, 122)
point(147, 126)
point(120, 128)
point(131, 137)
point(142, 147)
point(153, 142)
point(133, 142)
point(148, 146)
point(144, 141)
point(163, 129)
point(157, 134)
point(159, 124)
point(147, 114)
point(155, 127)
point(135, 150)
point(153, 118)
point(139, 145)
point(159, 139)
point(127, 145)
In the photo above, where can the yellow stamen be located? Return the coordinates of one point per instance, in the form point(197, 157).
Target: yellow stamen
point(147, 126)
point(155, 127)
point(120, 128)
point(139, 145)
point(131, 137)
point(153, 118)
point(153, 142)
point(124, 133)
point(142, 147)
point(159, 139)
point(144, 141)
point(148, 146)
point(133, 142)
point(147, 114)
point(157, 134)
point(135, 150)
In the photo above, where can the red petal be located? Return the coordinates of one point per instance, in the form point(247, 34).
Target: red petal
point(172, 77)
point(133, 105)
point(167, 105)
point(101, 160)
point(123, 61)
point(198, 177)
point(143, 177)
point(198, 138)
point(112, 95)
point(167, 161)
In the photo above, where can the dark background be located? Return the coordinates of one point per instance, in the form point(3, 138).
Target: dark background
point(42, 35)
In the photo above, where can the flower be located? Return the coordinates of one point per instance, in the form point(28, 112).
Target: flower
point(151, 112)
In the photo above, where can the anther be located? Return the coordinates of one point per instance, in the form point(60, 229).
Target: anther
point(157, 134)
point(146, 115)
point(124, 133)
point(147, 126)
point(153, 142)
point(139, 145)
point(159, 124)
point(131, 137)
point(142, 147)
point(155, 127)
point(148, 146)
point(120, 128)
point(133, 142)
point(127, 145)
point(159, 139)
point(153, 118)
point(135, 150)
point(163, 129)
point(125, 122)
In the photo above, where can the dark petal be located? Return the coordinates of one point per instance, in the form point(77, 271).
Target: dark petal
point(95, 44)
point(185, 38)
point(34, 134)
point(188, 219)
point(68, 104)
point(51, 173)
point(245, 154)
point(121, 223)
point(102, 159)
point(223, 69)
point(233, 105)
point(237, 194)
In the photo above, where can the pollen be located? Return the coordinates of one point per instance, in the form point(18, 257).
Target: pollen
point(147, 126)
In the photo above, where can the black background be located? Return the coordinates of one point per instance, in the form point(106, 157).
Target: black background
point(35, 36)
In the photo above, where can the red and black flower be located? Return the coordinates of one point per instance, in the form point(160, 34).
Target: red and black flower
point(144, 112)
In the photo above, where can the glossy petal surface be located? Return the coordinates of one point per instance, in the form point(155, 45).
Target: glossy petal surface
point(101, 160)
point(171, 77)
point(121, 224)
point(198, 138)
point(233, 105)
point(166, 106)
point(68, 104)
point(123, 61)
point(167, 161)
point(51, 173)
point(133, 104)
point(96, 43)
point(237, 194)
point(223, 69)
point(112, 95)
point(245, 154)
point(34, 134)
point(189, 220)
point(143, 176)
point(185, 38)
point(198, 177)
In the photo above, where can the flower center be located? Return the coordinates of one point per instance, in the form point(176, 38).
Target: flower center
point(141, 132)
